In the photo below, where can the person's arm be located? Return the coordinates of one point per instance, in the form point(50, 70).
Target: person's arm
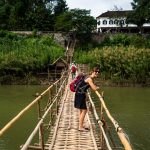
point(92, 85)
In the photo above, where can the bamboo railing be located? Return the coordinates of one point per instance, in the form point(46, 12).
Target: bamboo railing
point(29, 140)
point(62, 83)
point(119, 130)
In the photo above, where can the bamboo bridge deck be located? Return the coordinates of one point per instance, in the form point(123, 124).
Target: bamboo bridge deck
point(66, 134)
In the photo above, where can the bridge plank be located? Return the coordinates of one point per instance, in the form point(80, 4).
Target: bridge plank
point(68, 136)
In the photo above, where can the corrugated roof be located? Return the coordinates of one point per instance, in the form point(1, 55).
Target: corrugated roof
point(112, 14)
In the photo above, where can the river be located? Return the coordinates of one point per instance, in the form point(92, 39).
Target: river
point(129, 106)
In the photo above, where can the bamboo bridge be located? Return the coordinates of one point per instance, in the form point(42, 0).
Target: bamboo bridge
point(57, 123)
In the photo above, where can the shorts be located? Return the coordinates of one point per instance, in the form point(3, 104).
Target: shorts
point(80, 101)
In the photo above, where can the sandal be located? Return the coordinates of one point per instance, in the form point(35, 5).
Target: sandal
point(83, 130)
point(86, 128)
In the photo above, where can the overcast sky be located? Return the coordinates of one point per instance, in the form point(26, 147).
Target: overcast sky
point(99, 6)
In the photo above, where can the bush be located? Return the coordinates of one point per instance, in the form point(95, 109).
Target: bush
point(119, 62)
point(126, 40)
point(27, 54)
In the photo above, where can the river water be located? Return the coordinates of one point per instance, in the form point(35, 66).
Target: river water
point(129, 106)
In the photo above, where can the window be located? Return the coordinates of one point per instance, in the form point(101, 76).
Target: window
point(98, 22)
point(104, 21)
point(116, 21)
point(110, 21)
point(122, 22)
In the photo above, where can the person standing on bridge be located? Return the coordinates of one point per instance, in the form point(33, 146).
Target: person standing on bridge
point(73, 69)
point(80, 96)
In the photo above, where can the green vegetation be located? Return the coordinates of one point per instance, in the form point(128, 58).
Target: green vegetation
point(79, 21)
point(141, 13)
point(30, 14)
point(48, 15)
point(22, 56)
point(120, 59)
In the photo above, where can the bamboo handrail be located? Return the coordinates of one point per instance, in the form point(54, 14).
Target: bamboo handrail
point(92, 133)
point(21, 113)
point(25, 146)
point(99, 122)
point(119, 130)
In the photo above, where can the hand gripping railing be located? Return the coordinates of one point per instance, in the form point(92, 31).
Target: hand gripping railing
point(119, 130)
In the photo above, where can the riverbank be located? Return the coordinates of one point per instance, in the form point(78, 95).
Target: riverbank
point(36, 80)
point(28, 80)
point(122, 61)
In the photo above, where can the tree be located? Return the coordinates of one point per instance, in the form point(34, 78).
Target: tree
point(83, 24)
point(60, 7)
point(78, 21)
point(64, 22)
point(140, 13)
point(4, 14)
point(26, 15)
point(40, 18)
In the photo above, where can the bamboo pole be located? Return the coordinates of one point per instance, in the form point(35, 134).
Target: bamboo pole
point(102, 116)
point(25, 146)
point(21, 113)
point(119, 130)
point(92, 133)
point(41, 135)
point(99, 123)
point(50, 113)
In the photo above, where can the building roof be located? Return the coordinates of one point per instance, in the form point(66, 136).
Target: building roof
point(60, 62)
point(112, 14)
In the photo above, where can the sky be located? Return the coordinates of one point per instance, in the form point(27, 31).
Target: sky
point(98, 7)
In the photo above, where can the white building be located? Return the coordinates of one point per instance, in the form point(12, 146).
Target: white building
point(114, 21)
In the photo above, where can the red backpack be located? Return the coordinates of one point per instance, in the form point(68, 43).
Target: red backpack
point(73, 69)
point(76, 82)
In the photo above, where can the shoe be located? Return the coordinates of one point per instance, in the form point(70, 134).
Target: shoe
point(83, 130)
point(86, 128)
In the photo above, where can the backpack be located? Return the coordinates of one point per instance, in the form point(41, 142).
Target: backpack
point(73, 69)
point(76, 82)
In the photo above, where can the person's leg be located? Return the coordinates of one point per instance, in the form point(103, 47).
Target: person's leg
point(72, 75)
point(82, 114)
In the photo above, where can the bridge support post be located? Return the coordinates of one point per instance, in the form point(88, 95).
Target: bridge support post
point(41, 134)
point(50, 101)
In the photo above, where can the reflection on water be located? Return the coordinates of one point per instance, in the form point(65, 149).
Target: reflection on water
point(129, 106)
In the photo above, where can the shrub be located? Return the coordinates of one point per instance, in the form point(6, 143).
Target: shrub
point(119, 62)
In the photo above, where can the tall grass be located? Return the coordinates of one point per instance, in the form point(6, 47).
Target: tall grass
point(119, 63)
point(20, 55)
